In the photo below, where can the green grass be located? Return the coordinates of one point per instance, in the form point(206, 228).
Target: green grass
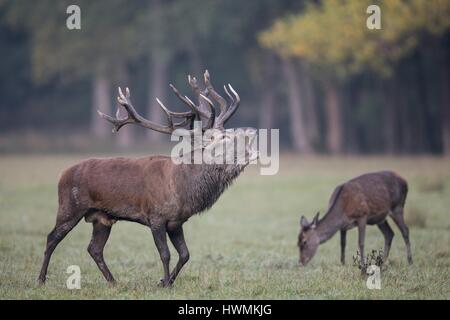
point(243, 248)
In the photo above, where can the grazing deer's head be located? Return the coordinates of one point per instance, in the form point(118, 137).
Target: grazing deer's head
point(308, 239)
point(214, 135)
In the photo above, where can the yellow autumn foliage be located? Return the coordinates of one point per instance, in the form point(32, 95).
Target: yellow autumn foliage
point(334, 34)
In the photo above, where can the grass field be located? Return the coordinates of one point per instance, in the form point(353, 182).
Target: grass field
point(243, 248)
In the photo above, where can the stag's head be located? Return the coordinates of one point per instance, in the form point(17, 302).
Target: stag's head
point(308, 239)
point(202, 116)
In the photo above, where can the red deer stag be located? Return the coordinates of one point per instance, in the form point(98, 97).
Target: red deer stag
point(153, 191)
point(366, 199)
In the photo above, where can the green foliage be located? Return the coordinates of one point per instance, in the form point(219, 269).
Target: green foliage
point(74, 54)
point(50, 68)
point(333, 33)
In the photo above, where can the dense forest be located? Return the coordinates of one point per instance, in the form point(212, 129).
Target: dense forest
point(311, 68)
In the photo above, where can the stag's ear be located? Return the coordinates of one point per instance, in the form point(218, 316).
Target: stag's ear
point(316, 219)
point(304, 222)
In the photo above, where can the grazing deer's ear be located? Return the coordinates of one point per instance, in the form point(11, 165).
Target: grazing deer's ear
point(303, 222)
point(316, 219)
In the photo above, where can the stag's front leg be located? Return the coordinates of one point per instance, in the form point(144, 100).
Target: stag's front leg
point(177, 238)
point(159, 235)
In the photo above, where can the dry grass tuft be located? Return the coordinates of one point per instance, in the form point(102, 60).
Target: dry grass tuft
point(415, 218)
point(432, 184)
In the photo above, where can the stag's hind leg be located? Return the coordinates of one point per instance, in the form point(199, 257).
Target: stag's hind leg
point(343, 243)
point(100, 235)
point(397, 216)
point(65, 222)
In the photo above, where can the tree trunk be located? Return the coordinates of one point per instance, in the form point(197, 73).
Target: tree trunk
point(125, 137)
point(196, 65)
point(266, 116)
point(353, 94)
point(312, 125)
point(158, 83)
point(158, 65)
point(390, 132)
point(445, 107)
point(296, 108)
point(101, 100)
point(406, 121)
point(334, 120)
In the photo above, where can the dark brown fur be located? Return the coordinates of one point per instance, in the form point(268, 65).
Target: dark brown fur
point(152, 191)
point(367, 199)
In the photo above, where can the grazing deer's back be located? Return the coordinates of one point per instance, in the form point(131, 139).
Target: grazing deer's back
point(373, 194)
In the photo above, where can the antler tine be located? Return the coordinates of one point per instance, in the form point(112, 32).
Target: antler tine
point(189, 116)
point(228, 93)
point(194, 85)
point(117, 123)
point(233, 107)
point(194, 110)
point(134, 117)
point(212, 117)
point(167, 112)
point(222, 102)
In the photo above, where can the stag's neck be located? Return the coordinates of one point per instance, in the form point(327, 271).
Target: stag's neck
point(203, 184)
point(329, 224)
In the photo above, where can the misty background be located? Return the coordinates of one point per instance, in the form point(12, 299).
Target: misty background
point(311, 68)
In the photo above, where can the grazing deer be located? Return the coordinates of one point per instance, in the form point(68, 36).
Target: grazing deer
point(366, 199)
point(153, 191)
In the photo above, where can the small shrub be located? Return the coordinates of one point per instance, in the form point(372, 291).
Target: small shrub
point(375, 257)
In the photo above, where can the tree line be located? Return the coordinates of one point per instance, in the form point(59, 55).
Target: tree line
point(311, 68)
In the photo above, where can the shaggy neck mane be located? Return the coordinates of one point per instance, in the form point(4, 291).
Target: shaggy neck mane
point(205, 184)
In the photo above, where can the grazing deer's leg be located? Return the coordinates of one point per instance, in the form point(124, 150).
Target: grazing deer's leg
point(361, 238)
point(159, 235)
point(177, 238)
point(61, 229)
point(397, 216)
point(388, 236)
point(100, 235)
point(343, 243)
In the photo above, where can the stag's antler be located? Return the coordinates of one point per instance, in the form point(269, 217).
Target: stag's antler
point(204, 111)
point(225, 111)
point(134, 117)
